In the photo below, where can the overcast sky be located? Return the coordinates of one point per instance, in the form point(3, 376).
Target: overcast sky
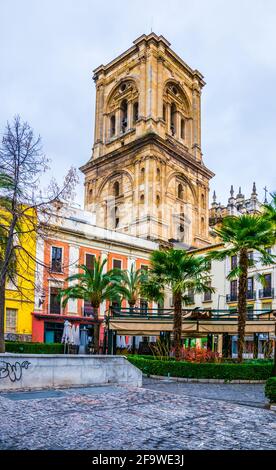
point(48, 49)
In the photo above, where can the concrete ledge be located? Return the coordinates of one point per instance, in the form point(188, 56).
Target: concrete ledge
point(38, 371)
point(204, 381)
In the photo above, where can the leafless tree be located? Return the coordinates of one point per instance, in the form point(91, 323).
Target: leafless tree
point(24, 206)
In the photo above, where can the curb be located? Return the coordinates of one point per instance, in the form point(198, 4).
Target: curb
point(214, 381)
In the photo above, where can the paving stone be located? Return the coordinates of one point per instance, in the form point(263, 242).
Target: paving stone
point(129, 418)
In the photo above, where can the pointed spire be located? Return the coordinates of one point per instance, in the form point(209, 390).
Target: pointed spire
point(214, 197)
point(232, 191)
point(265, 190)
point(240, 195)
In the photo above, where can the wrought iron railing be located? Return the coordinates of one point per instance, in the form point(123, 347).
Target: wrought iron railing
point(266, 293)
point(187, 314)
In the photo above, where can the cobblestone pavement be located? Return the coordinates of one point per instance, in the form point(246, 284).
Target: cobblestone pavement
point(244, 394)
point(130, 418)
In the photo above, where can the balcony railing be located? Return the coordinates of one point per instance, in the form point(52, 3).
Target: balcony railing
point(55, 309)
point(251, 295)
point(266, 293)
point(88, 311)
point(233, 297)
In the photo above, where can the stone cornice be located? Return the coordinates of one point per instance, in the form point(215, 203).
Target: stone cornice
point(148, 139)
point(146, 40)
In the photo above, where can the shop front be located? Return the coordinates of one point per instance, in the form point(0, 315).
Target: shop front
point(48, 328)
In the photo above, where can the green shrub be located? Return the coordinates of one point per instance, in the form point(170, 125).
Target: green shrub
point(203, 370)
point(270, 389)
point(34, 348)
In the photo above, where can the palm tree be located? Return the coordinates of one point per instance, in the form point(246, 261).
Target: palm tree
point(241, 235)
point(179, 271)
point(128, 284)
point(270, 210)
point(93, 286)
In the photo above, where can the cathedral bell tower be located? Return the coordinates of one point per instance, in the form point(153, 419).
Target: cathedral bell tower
point(146, 176)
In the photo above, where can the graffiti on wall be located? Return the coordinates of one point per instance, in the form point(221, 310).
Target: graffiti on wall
point(13, 371)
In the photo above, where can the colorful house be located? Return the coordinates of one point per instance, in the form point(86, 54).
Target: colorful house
point(20, 291)
point(74, 239)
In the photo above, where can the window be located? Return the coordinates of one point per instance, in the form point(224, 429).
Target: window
point(90, 261)
point(207, 295)
point(250, 288)
point(233, 290)
point(267, 290)
point(117, 263)
point(135, 112)
point(56, 262)
point(203, 201)
point(112, 125)
point(116, 189)
point(158, 201)
point(180, 192)
point(11, 320)
point(142, 175)
point(191, 296)
point(250, 258)
point(55, 306)
point(182, 132)
point(142, 199)
point(234, 261)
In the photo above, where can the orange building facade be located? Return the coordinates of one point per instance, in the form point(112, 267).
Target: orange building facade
point(73, 240)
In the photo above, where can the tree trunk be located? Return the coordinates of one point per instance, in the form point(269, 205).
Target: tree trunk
point(242, 303)
point(2, 315)
point(96, 329)
point(177, 325)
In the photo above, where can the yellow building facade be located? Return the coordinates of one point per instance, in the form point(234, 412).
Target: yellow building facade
point(20, 290)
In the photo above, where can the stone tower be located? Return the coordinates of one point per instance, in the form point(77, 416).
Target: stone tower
point(146, 176)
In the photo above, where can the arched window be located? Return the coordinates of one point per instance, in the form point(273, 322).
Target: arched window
point(135, 112)
point(142, 199)
point(124, 108)
point(180, 192)
point(142, 175)
point(157, 200)
point(202, 201)
point(116, 219)
point(202, 225)
point(112, 125)
point(116, 189)
point(182, 130)
point(173, 119)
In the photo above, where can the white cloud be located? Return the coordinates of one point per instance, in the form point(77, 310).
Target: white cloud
point(49, 49)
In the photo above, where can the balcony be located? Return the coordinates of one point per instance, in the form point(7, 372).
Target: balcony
point(55, 309)
point(233, 297)
point(266, 293)
point(87, 311)
point(251, 295)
